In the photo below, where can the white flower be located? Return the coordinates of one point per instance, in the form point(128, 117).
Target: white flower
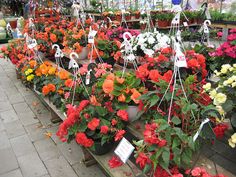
point(234, 65)
point(219, 99)
point(230, 80)
point(223, 70)
point(212, 94)
point(151, 40)
point(207, 86)
point(233, 84)
point(149, 52)
point(227, 66)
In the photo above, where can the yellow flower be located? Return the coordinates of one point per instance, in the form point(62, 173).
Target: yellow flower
point(223, 70)
point(232, 140)
point(227, 66)
point(213, 93)
point(230, 80)
point(27, 73)
point(30, 77)
point(220, 98)
point(52, 71)
point(30, 71)
point(231, 143)
point(207, 86)
point(234, 65)
point(234, 84)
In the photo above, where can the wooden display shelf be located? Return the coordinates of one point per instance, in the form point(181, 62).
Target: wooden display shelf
point(125, 170)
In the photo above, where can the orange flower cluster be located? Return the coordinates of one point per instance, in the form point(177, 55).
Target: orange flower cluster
point(108, 85)
point(48, 88)
point(45, 69)
point(32, 63)
point(53, 38)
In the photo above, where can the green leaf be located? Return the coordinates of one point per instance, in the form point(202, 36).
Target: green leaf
point(154, 100)
point(138, 143)
point(101, 111)
point(82, 126)
point(152, 147)
point(176, 142)
point(228, 105)
point(175, 120)
point(147, 168)
point(116, 93)
point(166, 157)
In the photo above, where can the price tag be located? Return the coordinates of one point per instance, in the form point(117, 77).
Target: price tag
point(181, 60)
point(124, 150)
point(32, 44)
point(73, 64)
point(91, 36)
point(87, 81)
point(185, 24)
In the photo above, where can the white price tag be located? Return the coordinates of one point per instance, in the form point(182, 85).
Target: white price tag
point(181, 60)
point(91, 36)
point(185, 24)
point(124, 150)
point(32, 44)
point(73, 64)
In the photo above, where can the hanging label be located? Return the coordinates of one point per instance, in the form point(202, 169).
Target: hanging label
point(91, 35)
point(73, 64)
point(176, 19)
point(124, 150)
point(32, 44)
point(200, 129)
point(87, 81)
point(185, 24)
point(180, 60)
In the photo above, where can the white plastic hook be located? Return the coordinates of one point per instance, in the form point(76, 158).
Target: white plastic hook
point(73, 64)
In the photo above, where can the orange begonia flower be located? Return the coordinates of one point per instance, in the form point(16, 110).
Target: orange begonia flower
point(60, 91)
point(53, 38)
point(63, 75)
point(69, 83)
point(135, 95)
point(121, 98)
point(93, 101)
point(52, 87)
point(108, 86)
point(120, 80)
point(32, 63)
point(44, 69)
point(45, 90)
point(38, 72)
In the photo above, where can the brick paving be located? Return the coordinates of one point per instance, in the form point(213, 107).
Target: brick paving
point(25, 150)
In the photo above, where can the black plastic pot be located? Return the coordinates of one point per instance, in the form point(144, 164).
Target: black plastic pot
point(102, 149)
point(111, 61)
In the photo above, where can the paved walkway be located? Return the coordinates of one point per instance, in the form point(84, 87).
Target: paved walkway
point(25, 148)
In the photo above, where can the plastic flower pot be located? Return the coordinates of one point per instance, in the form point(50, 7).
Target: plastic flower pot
point(132, 112)
point(176, 2)
point(84, 54)
point(137, 15)
point(100, 149)
point(128, 17)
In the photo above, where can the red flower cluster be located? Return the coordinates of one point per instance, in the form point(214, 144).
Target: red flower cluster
point(104, 129)
point(114, 162)
point(201, 172)
point(123, 115)
point(151, 137)
point(72, 117)
point(220, 129)
point(119, 135)
point(160, 172)
point(93, 124)
point(142, 160)
point(83, 140)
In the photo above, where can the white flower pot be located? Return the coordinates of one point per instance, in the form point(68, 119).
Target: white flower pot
point(132, 112)
point(84, 54)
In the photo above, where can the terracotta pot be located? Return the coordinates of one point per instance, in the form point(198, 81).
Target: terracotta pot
point(163, 23)
point(128, 17)
point(137, 16)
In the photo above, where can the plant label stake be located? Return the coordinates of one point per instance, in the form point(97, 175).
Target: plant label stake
point(124, 150)
point(129, 55)
point(58, 55)
point(75, 67)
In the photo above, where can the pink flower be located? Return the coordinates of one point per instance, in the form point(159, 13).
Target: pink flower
point(220, 34)
point(196, 171)
point(67, 95)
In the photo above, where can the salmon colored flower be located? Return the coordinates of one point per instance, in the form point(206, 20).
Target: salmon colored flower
point(120, 80)
point(93, 101)
point(108, 86)
point(69, 83)
point(32, 63)
point(38, 72)
point(110, 77)
point(135, 96)
point(45, 90)
point(122, 98)
point(53, 38)
point(52, 87)
point(93, 124)
point(63, 75)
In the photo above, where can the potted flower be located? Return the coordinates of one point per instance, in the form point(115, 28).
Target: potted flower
point(137, 14)
point(127, 15)
point(164, 18)
point(223, 95)
point(123, 89)
point(118, 15)
point(93, 125)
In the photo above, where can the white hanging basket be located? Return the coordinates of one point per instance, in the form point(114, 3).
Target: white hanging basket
point(132, 112)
